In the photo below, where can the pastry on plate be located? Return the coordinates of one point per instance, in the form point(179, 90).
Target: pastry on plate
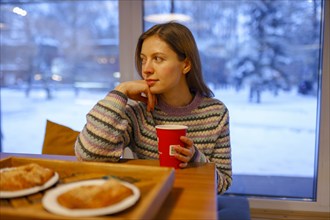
point(24, 177)
point(95, 196)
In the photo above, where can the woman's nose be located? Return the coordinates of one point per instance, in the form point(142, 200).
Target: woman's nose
point(147, 68)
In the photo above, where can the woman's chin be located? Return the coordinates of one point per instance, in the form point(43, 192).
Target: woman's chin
point(155, 91)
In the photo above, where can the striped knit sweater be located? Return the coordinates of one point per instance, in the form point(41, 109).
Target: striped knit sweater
point(115, 123)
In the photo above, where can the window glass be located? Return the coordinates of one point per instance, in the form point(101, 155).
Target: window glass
point(57, 59)
point(261, 58)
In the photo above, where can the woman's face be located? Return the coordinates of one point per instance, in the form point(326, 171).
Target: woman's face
point(161, 68)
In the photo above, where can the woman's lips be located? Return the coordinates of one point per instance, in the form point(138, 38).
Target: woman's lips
point(151, 82)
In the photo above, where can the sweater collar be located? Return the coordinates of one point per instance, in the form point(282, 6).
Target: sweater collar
point(183, 110)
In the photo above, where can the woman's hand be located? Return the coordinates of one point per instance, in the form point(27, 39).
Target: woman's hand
point(185, 153)
point(138, 90)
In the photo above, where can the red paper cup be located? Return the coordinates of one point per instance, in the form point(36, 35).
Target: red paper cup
point(169, 136)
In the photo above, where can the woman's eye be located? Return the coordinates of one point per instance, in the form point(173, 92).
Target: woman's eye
point(158, 59)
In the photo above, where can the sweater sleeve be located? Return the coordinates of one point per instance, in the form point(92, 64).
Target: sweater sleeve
point(106, 131)
point(221, 155)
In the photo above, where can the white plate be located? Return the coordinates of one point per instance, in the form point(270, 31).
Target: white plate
point(28, 191)
point(49, 201)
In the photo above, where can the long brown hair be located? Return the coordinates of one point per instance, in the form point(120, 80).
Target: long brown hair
point(182, 42)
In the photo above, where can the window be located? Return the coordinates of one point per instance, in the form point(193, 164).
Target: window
point(262, 58)
point(57, 59)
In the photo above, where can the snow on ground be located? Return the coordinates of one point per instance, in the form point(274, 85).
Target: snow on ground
point(276, 137)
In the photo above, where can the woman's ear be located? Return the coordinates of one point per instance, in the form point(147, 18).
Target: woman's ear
point(187, 66)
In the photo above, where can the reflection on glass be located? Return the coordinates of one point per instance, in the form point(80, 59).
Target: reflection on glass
point(262, 59)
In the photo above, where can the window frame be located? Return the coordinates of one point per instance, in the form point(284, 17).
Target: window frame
point(132, 26)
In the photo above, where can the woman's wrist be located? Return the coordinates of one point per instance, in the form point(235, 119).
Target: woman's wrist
point(193, 158)
point(120, 88)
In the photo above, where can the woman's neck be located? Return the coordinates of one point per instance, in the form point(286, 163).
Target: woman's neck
point(180, 110)
point(177, 99)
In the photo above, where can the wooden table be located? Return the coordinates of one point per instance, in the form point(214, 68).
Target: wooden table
point(193, 195)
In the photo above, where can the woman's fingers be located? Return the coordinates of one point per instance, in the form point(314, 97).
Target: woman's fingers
point(151, 100)
point(183, 165)
point(140, 98)
point(185, 154)
point(183, 157)
point(188, 142)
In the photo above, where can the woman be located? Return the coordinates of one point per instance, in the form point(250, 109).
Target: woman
point(172, 91)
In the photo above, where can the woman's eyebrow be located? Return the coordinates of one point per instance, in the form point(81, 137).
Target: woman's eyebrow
point(154, 54)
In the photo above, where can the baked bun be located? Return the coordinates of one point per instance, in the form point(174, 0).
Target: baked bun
point(95, 196)
point(24, 177)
